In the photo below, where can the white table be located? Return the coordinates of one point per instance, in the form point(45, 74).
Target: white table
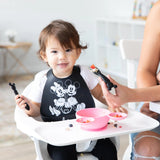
point(155, 106)
point(59, 133)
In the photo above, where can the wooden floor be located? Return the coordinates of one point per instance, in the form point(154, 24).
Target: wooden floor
point(23, 151)
point(26, 151)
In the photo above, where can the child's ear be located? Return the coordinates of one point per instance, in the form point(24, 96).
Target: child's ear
point(44, 57)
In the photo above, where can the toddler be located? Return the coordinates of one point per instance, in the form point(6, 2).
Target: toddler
point(56, 94)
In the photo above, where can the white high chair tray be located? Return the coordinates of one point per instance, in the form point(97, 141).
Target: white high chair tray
point(60, 134)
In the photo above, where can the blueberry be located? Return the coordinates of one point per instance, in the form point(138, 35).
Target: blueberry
point(70, 125)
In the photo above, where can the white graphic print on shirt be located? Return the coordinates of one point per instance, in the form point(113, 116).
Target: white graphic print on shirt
point(66, 101)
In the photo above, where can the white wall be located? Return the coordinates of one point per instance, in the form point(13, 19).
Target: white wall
point(29, 17)
point(119, 8)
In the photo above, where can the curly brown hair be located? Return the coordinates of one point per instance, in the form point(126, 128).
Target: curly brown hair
point(64, 32)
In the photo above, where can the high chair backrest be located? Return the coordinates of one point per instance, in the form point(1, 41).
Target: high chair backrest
point(130, 51)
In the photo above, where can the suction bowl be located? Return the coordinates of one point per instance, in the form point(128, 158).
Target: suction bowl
point(92, 118)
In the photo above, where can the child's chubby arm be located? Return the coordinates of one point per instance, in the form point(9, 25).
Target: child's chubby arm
point(98, 94)
point(34, 110)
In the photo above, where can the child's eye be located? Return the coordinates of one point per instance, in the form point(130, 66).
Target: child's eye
point(54, 51)
point(68, 50)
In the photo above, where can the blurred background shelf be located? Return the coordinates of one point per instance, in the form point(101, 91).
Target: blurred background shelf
point(108, 33)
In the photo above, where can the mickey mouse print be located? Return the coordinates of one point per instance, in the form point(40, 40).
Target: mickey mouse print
point(66, 101)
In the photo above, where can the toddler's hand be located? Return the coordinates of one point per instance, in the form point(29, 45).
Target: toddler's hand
point(21, 101)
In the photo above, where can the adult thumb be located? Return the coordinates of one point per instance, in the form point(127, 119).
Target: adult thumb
point(111, 79)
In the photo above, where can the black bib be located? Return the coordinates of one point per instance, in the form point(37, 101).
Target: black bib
point(63, 97)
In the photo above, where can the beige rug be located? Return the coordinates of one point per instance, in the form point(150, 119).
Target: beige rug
point(9, 134)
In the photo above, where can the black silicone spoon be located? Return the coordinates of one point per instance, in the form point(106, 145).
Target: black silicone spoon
point(13, 86)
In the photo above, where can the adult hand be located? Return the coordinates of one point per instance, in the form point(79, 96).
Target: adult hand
point(118, 109)
point(120, 97)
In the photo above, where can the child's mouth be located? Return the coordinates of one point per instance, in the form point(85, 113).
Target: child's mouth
point(63, 65)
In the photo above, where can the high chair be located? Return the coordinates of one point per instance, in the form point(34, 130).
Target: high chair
point(130, 51)
point(27, 125)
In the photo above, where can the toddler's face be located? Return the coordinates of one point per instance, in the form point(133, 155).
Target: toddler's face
point(60, 59)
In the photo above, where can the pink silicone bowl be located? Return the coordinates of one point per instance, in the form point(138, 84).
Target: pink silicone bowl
point(92, 118)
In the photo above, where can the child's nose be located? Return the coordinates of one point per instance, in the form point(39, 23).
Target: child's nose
point(62, 55)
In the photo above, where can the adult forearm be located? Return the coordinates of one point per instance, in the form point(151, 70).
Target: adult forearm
point(145, 94)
